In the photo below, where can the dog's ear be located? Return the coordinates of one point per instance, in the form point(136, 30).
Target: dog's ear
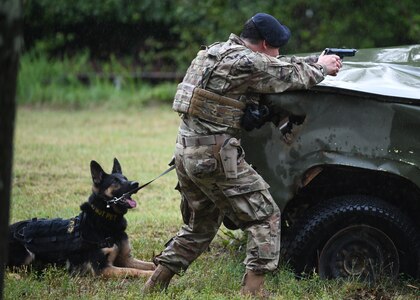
point(117, 167)
point(97, 172)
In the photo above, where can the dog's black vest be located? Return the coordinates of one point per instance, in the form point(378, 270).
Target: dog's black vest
point(57, 238)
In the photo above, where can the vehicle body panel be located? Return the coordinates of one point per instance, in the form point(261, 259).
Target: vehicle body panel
point(392, 72)
point(368, 117)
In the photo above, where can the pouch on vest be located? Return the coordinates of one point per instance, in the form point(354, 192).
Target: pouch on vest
point(229, 157)
point(53, 237)
point(182, 99)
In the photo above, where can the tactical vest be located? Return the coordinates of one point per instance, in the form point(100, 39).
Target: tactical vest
point(192, 98)
point(54, 239)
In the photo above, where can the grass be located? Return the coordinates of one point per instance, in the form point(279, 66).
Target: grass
point(51, 178)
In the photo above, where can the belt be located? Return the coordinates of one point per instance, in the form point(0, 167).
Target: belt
point(204, 140)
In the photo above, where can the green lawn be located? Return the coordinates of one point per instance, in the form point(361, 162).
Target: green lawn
point(51, 178)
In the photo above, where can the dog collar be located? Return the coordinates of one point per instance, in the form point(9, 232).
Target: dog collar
point(104, 214)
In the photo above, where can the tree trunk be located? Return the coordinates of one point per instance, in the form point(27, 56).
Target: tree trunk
point(10, 44)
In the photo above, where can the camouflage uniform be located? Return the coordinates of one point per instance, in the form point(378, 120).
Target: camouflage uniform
point(205, 143)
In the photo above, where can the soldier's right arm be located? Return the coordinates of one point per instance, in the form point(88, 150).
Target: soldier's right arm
point(271, 75)
point(296, 59)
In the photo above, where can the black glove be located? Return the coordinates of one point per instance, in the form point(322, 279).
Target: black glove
point(255, 116)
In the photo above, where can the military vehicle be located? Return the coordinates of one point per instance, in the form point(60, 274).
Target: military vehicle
point(343, 163)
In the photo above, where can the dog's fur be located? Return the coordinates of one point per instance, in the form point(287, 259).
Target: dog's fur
point(106, 249)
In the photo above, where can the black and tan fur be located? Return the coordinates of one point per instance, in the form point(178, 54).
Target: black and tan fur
point(105, 246)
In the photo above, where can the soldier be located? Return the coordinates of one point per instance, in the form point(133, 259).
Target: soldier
point(215, 181)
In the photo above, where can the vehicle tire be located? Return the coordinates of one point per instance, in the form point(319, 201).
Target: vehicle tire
point(353, 236)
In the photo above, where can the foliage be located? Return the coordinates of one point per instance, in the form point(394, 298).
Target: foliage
point(352, 23)
point(84, 53)
point(51, 178)
point(76, 82)
point(166, 34)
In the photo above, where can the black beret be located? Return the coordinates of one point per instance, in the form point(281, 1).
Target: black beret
point(271, 30)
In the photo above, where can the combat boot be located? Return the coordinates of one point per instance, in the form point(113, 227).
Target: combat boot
point(159, 280)
point(252, 284)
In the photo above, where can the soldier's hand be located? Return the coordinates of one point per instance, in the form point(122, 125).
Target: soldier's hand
point(332, 63)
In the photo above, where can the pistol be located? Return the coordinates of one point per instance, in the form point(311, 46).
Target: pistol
point(341, 52)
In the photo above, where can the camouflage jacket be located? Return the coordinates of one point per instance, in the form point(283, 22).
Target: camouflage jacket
point(245, 75)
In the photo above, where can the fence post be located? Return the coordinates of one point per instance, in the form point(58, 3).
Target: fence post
point(11, 39)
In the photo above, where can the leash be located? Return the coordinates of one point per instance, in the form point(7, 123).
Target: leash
point(115, 200)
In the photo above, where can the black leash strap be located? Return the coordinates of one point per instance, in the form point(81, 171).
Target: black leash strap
point(147, 183)
point(128, 194)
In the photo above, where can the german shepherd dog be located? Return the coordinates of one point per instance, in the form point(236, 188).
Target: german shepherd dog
point(95, 241)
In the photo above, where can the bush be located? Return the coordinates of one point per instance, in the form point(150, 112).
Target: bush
point(74, 82)
point(80, 52)
point(166, 34)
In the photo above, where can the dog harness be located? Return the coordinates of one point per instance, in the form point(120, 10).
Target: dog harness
point(55, 239)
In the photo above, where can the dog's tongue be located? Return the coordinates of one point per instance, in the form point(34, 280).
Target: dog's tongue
point(131, 203)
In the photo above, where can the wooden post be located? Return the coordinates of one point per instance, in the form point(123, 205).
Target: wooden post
point(11, 40)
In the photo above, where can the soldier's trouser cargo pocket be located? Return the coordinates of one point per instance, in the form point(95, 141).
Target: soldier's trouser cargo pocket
point(250, 201)
point(255, 211)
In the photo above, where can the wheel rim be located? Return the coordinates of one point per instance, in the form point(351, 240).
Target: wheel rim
point(359, 251)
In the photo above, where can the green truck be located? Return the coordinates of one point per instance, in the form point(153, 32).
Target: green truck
point(343, 163)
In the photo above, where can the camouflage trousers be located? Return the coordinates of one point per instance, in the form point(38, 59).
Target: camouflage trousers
point(210, 196)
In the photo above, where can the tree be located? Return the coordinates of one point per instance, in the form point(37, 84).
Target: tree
point(10, 44)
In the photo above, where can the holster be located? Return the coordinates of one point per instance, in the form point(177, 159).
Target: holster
point(229, 157)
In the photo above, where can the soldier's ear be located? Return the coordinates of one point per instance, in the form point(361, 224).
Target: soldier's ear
point(117, 167)
point(97, 172)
